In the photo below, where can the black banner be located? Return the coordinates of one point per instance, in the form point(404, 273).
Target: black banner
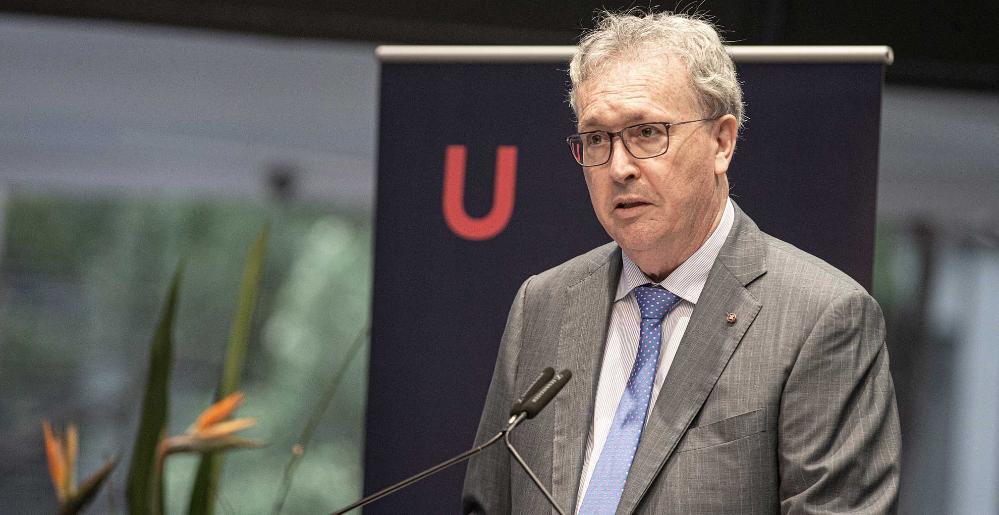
point(477, 190)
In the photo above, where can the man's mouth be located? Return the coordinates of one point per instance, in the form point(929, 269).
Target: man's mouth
point(629, 205)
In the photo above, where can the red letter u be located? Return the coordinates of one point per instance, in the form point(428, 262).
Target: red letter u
point(457, 218)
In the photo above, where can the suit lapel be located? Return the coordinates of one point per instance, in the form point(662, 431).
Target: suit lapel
point(705, 349)
point(580, 349)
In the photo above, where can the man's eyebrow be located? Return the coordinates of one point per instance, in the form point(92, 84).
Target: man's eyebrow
point(625, 122)
point(586, 122)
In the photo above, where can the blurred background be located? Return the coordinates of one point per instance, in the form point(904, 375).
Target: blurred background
point(134, 134)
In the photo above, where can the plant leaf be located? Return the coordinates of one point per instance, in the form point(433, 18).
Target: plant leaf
point(144, 489)
point(239, 334)
point(88, 489)
point(205, 485)
point(206, 482)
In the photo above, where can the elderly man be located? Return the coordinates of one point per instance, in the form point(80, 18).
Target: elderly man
point(716, 368)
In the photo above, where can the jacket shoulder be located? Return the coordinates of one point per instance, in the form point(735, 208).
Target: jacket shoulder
point(579, 268)
point(796, 269)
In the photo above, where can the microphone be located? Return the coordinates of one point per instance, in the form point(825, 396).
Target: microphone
point(546, 393)
point(530, 408)
point(543, 378)
point(540, 393)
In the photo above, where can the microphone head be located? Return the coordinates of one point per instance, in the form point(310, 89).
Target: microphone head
point(544, 377)
point(546, 393)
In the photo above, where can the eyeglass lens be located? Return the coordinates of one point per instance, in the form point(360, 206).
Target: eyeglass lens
point(642, 141)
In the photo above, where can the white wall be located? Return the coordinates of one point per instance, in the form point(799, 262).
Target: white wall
point(114, 107)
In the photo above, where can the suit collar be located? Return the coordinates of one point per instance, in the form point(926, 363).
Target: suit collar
point(744, 252)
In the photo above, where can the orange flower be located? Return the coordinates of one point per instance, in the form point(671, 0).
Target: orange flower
point(62, 460)
point(212, 431)
point(61, 455)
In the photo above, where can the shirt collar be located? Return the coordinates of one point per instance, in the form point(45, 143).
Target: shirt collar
point(689, 278)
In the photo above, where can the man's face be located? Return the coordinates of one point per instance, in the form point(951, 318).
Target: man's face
point(666, 204)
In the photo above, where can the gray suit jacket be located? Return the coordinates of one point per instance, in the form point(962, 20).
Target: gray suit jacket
point(790, 409)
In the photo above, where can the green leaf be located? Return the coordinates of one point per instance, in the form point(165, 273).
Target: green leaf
point(88, 489)
point(144, 490)
point(239, 335)
point(206, 483)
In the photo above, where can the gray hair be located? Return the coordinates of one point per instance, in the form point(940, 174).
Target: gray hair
point(693, 39)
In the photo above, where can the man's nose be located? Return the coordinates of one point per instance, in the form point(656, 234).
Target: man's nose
point(622, 166)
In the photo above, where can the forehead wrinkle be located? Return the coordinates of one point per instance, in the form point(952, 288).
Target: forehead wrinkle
point(630, 105)
point(620, 116)
point(625, 121)
point(652, 92)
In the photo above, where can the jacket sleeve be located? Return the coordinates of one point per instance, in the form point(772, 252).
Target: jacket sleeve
point(487, 479)
point(838, 431)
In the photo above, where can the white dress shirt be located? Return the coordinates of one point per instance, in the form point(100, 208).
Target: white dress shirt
point(686, 282)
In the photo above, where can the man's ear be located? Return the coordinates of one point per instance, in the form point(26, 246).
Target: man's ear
point(726, 131)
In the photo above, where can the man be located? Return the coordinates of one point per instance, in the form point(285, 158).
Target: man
point(716, 369)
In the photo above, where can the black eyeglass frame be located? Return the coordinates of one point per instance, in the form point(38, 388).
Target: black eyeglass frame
point(610, 135)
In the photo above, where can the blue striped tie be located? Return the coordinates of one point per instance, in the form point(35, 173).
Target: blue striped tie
point(607, 481)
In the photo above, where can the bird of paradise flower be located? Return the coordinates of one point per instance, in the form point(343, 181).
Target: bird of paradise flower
point(61, 452)
point(211, 432)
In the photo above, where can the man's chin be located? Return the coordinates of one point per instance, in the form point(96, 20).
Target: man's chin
point(634, 243)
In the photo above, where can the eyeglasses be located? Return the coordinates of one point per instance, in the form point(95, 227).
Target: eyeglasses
point(643, 141)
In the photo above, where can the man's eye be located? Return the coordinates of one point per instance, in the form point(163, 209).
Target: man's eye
point(594, 139)
point(648, 131)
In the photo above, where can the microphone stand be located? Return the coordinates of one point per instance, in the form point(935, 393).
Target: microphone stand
point(504, 435)
point(523, 464)
point(537, 397)
point(430, 471)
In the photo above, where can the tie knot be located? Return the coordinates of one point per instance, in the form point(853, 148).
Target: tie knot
point(654, 301)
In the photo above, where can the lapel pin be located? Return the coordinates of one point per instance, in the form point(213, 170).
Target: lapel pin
point(730, 318)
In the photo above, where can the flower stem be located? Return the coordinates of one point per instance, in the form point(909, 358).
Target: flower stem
point(310, 427)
